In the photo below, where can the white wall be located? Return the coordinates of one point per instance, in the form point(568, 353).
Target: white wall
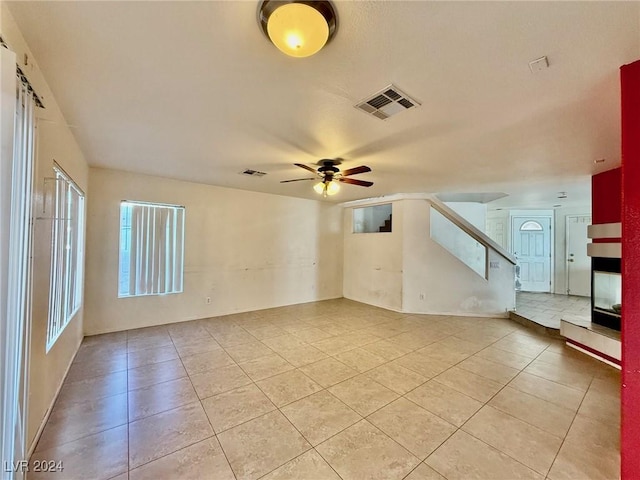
point(392, 270)
point(373, 263)
point(473, 212)
point(245, 250)
point(457, 242)
point(448, 285)
point(54, 141)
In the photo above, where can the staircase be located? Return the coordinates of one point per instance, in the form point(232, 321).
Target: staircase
point(387, 225)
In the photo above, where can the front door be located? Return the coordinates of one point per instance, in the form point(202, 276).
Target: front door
point(532, 247)
point(578, 262)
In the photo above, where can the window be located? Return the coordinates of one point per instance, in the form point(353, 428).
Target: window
point(372, 219)
point(67, 255)
point(531, 226)
point(151, 249)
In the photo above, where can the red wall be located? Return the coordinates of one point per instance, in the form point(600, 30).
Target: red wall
point(630, 396)
point(606, 200)
point(606, 196)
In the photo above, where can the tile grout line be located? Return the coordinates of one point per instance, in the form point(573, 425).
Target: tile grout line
point(128, 429)
point(503, 453)
point(460, 428)
point(387, 361)
point(569, 429)
point(279, 409)
point(253, 382)
point(524, 421)
point(175, 408)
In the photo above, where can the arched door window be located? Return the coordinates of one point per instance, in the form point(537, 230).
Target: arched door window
point(531, 226)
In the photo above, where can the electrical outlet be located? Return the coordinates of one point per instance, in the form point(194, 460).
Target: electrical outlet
point(208, 300)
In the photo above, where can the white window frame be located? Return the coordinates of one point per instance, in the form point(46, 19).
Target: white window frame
point(362, 224)
point(531, 226)
point(151, 255)
point(67, 272)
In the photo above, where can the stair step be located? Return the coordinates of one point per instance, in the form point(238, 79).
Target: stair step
point(522, 320)
point(387, 225)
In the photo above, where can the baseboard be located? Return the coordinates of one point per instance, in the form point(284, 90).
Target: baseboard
point(218, 314)
point(47, 414)
point(463, 314)
point(371, 304)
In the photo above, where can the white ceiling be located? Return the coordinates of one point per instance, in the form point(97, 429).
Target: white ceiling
point(194, 91)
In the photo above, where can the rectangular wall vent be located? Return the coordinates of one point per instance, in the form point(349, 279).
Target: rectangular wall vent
point(252, 173)
point(387, 102)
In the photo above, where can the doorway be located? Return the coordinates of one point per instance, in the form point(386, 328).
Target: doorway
point(578, 269)
point(531, 245)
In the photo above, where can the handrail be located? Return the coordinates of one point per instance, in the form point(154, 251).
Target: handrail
point(469, 229)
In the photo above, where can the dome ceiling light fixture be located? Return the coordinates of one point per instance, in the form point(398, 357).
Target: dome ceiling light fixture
point(298, 28)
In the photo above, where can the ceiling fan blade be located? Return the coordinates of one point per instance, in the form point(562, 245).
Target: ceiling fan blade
point(353, 181)
point(356, 170)
point(298, 180)
point(306, 167)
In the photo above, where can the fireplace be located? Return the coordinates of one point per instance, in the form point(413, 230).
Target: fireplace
point(606, 292)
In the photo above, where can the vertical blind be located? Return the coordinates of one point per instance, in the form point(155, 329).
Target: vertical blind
point(16, 241)
point(67, 256)
point(151, 249)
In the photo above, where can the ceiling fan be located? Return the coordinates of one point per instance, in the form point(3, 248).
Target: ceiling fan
point(329, 174)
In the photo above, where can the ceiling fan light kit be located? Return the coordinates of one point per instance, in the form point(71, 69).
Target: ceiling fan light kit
point(330, 175)
point(298, 28)
point(325, 188)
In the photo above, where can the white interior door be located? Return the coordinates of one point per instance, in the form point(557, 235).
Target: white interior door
point(532, 247)
point(578, 262)
point(497, 230)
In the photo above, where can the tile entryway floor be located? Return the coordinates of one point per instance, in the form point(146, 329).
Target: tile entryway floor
point(332, 390)
point(548, 309)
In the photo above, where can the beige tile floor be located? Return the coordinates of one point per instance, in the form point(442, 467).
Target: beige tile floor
point(548, 308)
point(332, 390)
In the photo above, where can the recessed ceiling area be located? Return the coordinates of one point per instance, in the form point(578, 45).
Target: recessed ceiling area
point(195, 91)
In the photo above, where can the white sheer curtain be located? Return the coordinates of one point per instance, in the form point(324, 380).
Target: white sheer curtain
point(15, 250)
point(151, 249)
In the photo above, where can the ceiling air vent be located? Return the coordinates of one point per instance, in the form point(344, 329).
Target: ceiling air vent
point(387, 102)
point(253, 173)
